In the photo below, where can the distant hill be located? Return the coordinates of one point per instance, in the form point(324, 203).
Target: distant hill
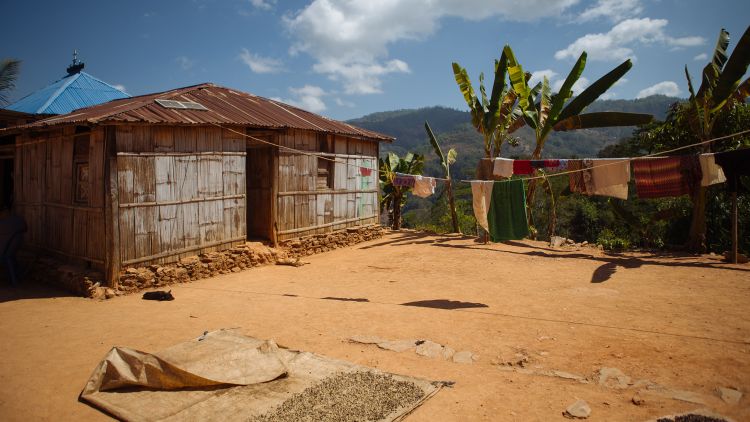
point(453, 128)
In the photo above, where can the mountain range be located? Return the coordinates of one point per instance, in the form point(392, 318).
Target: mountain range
point(453, 129)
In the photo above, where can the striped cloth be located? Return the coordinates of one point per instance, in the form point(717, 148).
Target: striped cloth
point(666, 176)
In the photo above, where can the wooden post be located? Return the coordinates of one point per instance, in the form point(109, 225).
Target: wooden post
point(276, 173)
point(111, 210)
point(733, 252)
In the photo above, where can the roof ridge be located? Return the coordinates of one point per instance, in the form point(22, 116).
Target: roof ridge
point(88, 75)
point(140, 103)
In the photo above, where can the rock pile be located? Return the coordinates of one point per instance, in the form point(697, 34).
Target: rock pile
point(205, 265)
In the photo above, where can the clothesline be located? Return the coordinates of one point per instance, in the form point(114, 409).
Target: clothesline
point(562, 173)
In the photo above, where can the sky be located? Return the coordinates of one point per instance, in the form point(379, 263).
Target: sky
point(349, 58)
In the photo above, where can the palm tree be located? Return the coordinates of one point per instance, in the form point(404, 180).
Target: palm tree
point(543, 111)
point(446, 161)
point(394, 197)
point(720, 91)
point(8, 74)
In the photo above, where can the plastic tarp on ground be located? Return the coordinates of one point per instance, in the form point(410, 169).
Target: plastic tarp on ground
point(221, 375)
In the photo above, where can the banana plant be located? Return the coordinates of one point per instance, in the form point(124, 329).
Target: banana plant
point(491, 116)
point(721, 89)
point(394, 197)
point(544, 112)
point(446, 161)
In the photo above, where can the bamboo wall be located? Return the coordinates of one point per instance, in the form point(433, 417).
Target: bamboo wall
point(181, 191)
point(64, 210)
point(304, 206)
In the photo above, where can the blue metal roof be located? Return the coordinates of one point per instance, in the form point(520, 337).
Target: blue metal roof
point(69, 93)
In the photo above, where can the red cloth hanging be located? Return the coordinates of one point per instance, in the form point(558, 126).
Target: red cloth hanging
point(666, 176)
point(522, 167)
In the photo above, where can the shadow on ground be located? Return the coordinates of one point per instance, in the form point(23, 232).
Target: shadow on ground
point(445, 304)
point(611, 262)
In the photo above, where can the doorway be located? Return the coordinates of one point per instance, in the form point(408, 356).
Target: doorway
point(260, 173)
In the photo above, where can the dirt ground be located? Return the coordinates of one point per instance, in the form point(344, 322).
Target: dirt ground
point(677, 326)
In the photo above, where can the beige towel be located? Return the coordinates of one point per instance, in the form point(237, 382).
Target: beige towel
point(611, 177)
point(712, 173)
point(481, 192)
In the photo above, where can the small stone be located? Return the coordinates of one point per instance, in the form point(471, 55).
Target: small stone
point(578, 410)
point(729, 395)
point(584, 243)
point(448, 352)
point(366, 339)
point(688, 396)
point(463, 356)
point(637, 400)
point(613, 378)
point(556, 241)
point(429, 349)
point(109, 293)
point(398, 345)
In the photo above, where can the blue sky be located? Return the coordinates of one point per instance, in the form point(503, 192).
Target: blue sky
point(348, 58)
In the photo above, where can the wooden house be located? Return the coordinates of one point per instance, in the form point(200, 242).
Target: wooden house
point(155, 178)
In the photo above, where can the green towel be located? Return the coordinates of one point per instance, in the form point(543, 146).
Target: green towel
point(507, 214)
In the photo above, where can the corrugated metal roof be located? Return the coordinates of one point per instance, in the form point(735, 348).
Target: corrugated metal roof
point(225, 106)
point(69, 93)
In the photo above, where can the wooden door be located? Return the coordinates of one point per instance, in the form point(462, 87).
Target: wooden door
point(260, 173)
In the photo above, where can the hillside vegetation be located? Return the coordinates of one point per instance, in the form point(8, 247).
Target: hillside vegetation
point(454, 130)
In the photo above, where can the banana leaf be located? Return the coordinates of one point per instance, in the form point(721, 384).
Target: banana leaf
point(566, 89)
point(544, 103)
point(498, 85)
point(696, 117)
point(594, 91)
point(435, 145)
point(464, 84)
point(733, 71)
point(602, 119)
point(743, 91)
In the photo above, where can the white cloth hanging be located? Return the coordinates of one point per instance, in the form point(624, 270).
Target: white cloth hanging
point(502, 167)
point(481, 192)
point(712, 172)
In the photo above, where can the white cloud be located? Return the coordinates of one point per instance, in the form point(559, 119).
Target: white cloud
point(307, 97)
point(538, 75)
point(120, 87)
point(667, 88)
point(614, 10)
point(259, 64)
point(578, 86)
point(263, 4)
point(349, 39)
point(556, 80)
point(702, 56)
point(616, 45)
point(608, 96)
point(185, 62)
point(344, 103)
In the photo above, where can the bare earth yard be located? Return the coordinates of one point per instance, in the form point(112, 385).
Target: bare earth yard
point(675, 325)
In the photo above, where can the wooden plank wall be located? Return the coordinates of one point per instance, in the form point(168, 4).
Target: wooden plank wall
point(181, 191)
point(44, 190)
point(304, 209)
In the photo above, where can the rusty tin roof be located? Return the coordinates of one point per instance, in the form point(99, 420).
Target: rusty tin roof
point(224, 106)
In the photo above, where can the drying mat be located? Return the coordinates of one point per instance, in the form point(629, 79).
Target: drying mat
point(226, 376)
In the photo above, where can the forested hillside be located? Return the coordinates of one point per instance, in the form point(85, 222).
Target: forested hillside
point(453, 128)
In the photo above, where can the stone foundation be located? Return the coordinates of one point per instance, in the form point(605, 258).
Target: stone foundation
point(89, 283)
point(317, 243)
